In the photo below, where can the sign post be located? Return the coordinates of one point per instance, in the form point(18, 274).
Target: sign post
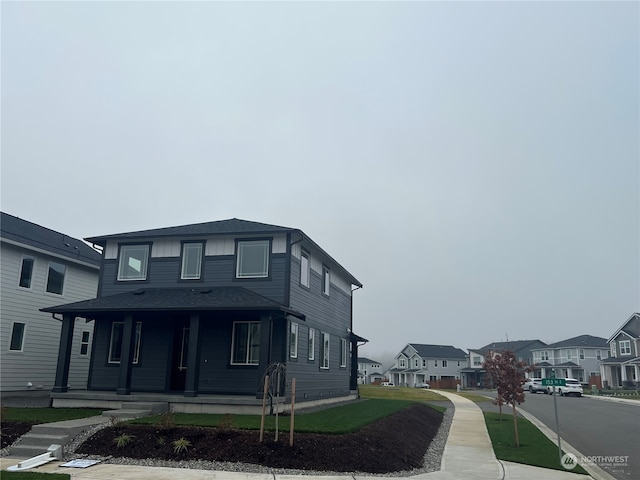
point(555, 382)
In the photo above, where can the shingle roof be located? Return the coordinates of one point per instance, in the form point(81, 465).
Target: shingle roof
point(580, 341)
point(514, 345)
point(168, 299)
point(438, 351)
point(366, 360)
point(220, 227)
point(17, 230)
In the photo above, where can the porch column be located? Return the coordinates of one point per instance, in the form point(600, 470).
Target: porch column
point(64, 354)
point(266, 332)
point(353, 381)
point(623, 374)
point(193, 360)
point(126, 357)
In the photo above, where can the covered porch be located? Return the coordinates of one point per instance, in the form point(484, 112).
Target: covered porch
point(620, 373)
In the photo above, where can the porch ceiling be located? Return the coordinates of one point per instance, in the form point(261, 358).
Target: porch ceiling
point(175, 299)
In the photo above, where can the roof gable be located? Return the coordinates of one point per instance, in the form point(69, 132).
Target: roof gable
point(631, 327)
point(18, 231)
point(514, 345)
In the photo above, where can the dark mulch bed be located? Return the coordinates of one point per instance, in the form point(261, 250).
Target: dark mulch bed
point(395, 443)
point(11, 431)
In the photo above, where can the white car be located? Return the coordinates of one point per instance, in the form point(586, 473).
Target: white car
point(572, 387)
point(387, 384)
point(534, 385)
point(423, 385)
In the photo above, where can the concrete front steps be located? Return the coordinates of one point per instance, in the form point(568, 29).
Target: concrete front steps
point(38, 440)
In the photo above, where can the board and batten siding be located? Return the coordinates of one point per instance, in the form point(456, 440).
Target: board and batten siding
point(36, 363)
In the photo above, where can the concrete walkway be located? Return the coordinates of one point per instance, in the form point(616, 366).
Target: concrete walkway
point(468, 455)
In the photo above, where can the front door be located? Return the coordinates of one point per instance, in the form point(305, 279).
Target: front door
point(180, 355)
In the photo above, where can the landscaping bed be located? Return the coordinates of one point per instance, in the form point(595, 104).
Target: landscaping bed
point(394, 443)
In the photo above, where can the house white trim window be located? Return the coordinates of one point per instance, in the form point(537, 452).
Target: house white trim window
point(326, 280)
point(569, 354)
point(424, 363)
point(245, 343)
point(544, 356)
point(476, 361)
point(115, 343)
point(613, 349)
point(55, 278)
point(343, 352)
point(133, 262)
point(435, 363)
point(191, 261)
point(625, 347)
point(416, 362)
point(312, 344)
point(293, 340)
point(85, 338)
point(444, 363)
point(402, 362)
point(598, 355)
point(18, 330)
point(305, 268)
point(325, 351)
point(26, 272)
point(252, 259)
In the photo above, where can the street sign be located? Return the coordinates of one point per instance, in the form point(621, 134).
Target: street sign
point(554, 382)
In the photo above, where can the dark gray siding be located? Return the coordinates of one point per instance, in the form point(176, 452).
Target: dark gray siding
point(330, 315)
point(218, 271)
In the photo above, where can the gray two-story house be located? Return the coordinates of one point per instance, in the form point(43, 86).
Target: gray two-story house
point(196, 314)
point(622, 368)
point(424, 363)
point(578, 357)
point(40, 267)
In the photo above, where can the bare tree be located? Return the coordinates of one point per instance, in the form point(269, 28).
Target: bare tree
point(508, 375)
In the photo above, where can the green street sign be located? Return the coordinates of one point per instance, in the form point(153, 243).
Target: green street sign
point(554, 382)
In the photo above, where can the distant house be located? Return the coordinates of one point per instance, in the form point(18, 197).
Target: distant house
point(472, 374)
point(577, 357)
point(39, 267)
point(195, 315)
point(418, 363)
point(622, 368)
point(369, 371)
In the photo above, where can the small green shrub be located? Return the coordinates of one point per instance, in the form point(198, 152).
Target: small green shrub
point(226, 423)
point(123, 440)
point(181, 445)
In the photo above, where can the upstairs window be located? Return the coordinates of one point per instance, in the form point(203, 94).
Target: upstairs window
point(133, 262)
point(26, 272)
point(326, 280)
point(613, 349)
point(581, 353)
point(305, 269)
point(17, 337)
point(191, 261)
point(245, 348)
point(293, 340)
point(115, 345)
point(55, 278)
point(569, 354)
point(444, 363)
point(476, 361)
point(598, 355)
point(625, 347)
point(252, 259)
point(402, 362)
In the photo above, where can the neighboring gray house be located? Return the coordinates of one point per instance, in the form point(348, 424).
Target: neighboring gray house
point(369, 371)
point(194, 316)
point(472, 375)
point(622, 368)
point(577, 357)
point(418, 363)
point(41, 267)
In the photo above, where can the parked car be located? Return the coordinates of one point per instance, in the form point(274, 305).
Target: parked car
point(534, 385)
point(387, 384)
point(423, 385)
point(572, 387)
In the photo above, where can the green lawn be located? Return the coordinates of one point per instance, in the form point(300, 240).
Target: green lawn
point(341, 419)
point(46, 415)
point(34, 476)
point(400, 393)
point(535, 448)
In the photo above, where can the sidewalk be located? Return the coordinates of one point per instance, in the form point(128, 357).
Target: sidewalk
point(468, 455)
